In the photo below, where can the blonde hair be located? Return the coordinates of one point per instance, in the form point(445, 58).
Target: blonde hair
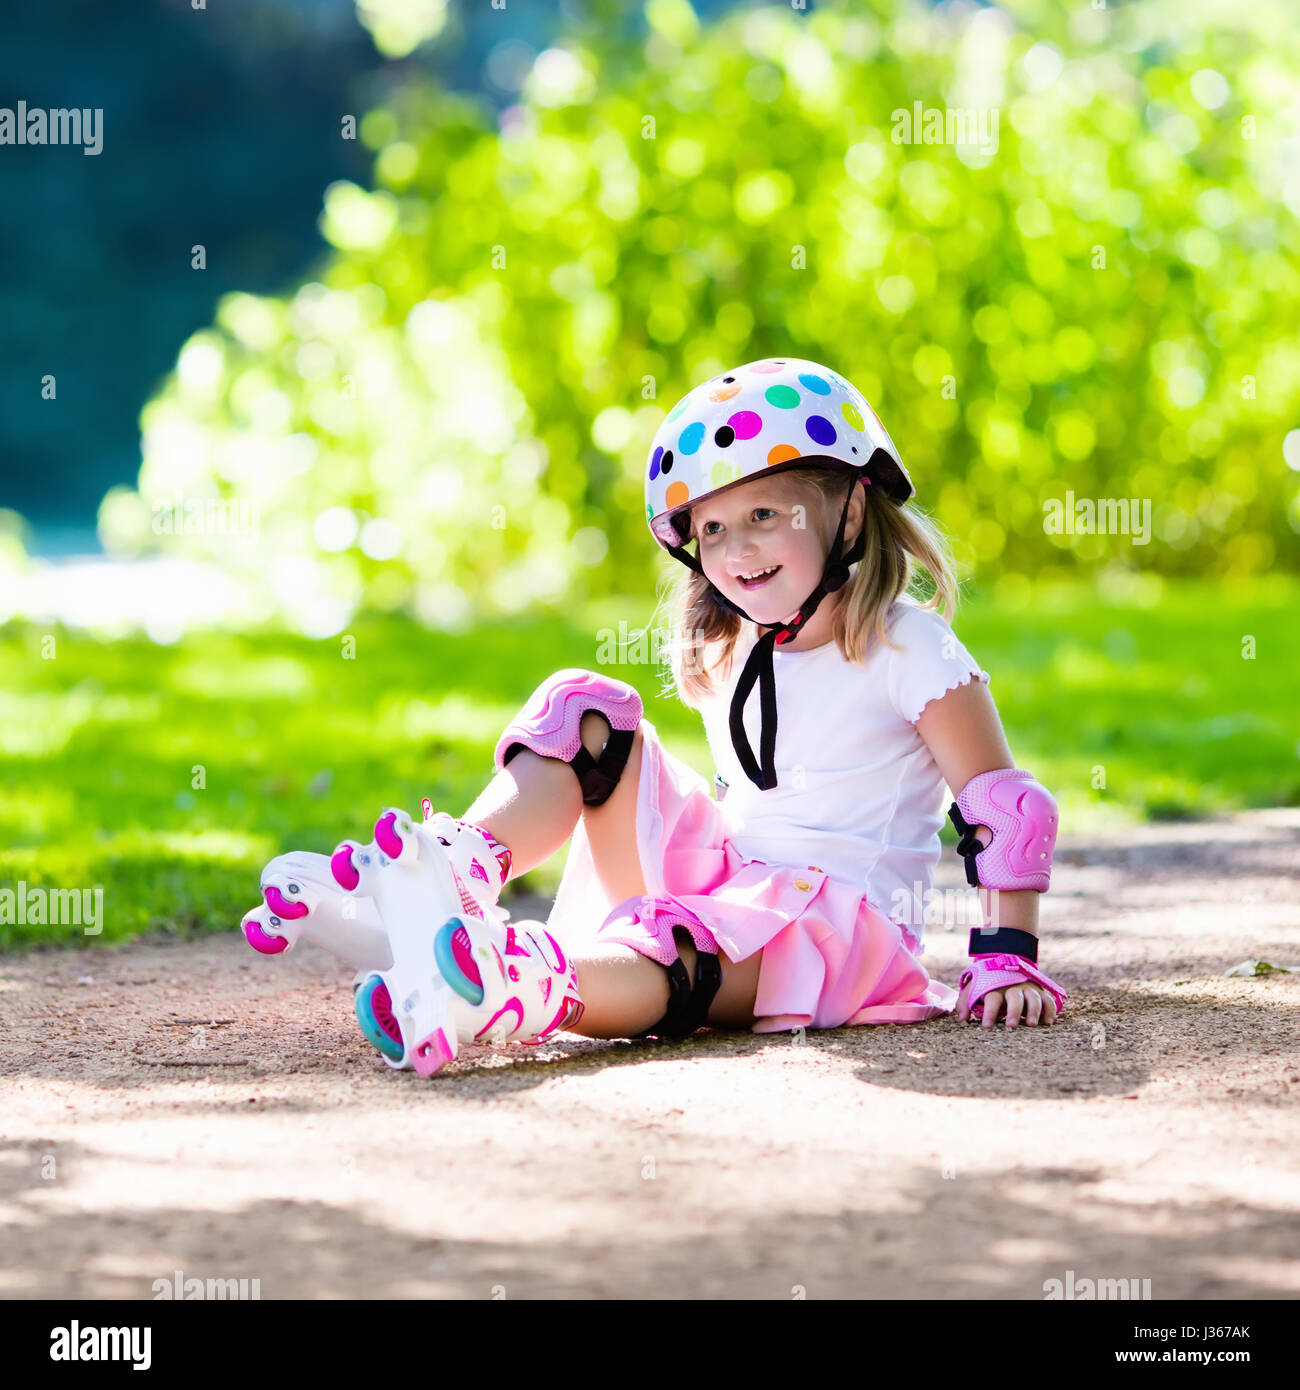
point(901, 543)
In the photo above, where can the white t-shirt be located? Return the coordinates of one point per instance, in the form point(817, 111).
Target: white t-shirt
point(858, 792)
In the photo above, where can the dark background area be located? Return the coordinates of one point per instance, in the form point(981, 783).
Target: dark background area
point(220, 127)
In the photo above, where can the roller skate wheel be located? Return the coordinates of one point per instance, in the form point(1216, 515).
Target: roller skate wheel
point(386, 837)
point(280, 905)
point(375, 1015)
point(342, 869)
point(260, 941)
point(450, 966)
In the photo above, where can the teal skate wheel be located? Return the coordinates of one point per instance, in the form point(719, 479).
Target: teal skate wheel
point(455, 955)
point(375, 1015)
point(453, 951)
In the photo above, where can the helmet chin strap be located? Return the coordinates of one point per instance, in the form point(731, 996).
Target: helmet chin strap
point(759, 665)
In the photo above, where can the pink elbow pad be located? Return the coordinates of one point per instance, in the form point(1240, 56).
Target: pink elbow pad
point(1021, 814)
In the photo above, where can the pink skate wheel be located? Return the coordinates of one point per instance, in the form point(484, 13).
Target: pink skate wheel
point(281, 906)
point(341, 866)
point(386, 837)
point(259, 941)
point(432, 1054)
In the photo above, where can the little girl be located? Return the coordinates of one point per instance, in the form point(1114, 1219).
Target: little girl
point(797, 898)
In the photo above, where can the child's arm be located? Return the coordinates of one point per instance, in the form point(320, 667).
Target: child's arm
point(964, 735)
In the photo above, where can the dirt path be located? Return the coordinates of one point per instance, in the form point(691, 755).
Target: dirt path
point(1152, 1133)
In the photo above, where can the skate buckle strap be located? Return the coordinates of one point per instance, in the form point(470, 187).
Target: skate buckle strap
point(997, 941)
point(599, 776)
point(688, 1008)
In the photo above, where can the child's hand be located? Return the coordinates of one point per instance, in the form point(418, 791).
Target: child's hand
point(1030, 1001)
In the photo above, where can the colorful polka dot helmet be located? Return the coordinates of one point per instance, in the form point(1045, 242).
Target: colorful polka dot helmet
point(773, 414)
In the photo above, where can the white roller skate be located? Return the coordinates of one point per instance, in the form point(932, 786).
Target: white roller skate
point(303, 899)
point(306, 896)
point(460, 973)
point(482, 863)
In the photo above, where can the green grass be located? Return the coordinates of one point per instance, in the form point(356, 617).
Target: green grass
point(301, 748)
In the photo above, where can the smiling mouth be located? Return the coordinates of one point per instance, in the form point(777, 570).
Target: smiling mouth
point(763, 579)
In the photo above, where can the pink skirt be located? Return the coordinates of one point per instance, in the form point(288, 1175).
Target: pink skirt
point(829, 958)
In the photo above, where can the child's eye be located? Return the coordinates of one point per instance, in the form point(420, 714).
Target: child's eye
point(705, 529)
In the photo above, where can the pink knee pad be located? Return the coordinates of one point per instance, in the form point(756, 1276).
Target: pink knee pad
point(549, 724)
point(646, 924)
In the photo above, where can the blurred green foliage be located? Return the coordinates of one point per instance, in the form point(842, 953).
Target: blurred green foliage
point(300, 747)
point(1106, 302)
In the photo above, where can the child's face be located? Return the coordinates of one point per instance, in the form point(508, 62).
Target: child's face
point(761, 524)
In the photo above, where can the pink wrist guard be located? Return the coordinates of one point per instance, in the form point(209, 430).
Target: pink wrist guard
point(1000, 971)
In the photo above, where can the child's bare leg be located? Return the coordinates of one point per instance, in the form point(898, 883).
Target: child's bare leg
point(626, 992)
point(611, 827)
point(531, 806)
point(534, 802)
